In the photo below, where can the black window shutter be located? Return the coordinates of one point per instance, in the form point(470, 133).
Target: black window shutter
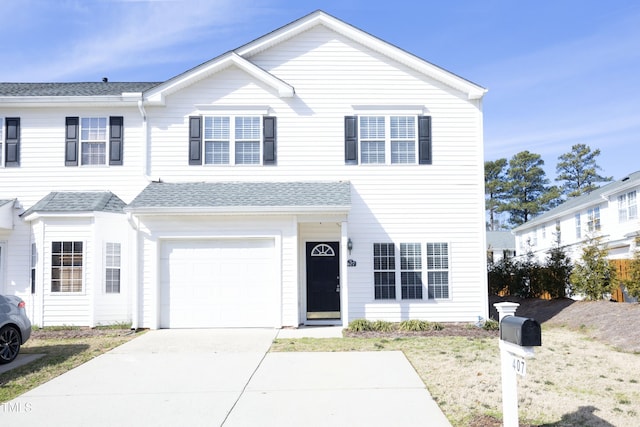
point(12, 142)
point(195, 140)
point(115, 140)
point(351, 140)
point(424, 140)
point(269, 136)
point(71, 141)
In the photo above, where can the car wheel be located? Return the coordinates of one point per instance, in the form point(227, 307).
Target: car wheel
point(9, 344)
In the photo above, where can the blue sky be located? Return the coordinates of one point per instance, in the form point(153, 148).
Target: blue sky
point(559, 72)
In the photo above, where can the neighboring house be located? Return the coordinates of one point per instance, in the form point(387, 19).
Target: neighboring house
point(312, 176)
point(500, 245)
point(609, 212)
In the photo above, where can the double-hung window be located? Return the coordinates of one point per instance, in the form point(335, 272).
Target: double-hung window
point(66, 267)
point(400, 272)
point(593, 219)
point(112, 268)
point(93, 141)
point(627, 207)
point(578, 226)
point(232, 140)
point(388, 137)
point(438, 270)
point(384, 270)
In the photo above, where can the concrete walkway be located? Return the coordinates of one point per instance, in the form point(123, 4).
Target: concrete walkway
point(224, 377)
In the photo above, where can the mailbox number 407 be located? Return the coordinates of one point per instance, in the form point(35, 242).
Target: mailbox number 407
point(519, 365)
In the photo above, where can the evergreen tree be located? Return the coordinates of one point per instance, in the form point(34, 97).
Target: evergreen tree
point(494, 190)
point(578, 171)
point(527, 189)
point(592, 275)
point(557, 271)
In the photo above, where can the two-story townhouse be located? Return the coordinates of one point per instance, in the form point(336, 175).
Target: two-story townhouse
point(609, 212)
point(312, 176)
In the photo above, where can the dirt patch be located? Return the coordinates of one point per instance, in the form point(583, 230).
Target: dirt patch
point(73, 333)
point(449, 329)
point(614, 323)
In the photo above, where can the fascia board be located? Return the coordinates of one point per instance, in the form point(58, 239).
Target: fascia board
point(472, 90)
point(156, 96)
point(57, 215)
point(62, 101)
point(237, 210)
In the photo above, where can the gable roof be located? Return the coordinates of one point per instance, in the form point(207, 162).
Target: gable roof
point(75, 202)
point(73, 89)
point(161, 198)
point(101, 93)
point(576, 204)
point(501, 240)
point(240, 57)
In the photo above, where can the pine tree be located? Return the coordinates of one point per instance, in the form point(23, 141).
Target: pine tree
point(494, 190)
point(527, 191)
point(579, 171)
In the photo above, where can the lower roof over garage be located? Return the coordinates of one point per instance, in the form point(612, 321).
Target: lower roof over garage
point(161, 197)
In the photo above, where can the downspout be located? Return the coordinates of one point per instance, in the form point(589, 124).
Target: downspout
point(135, 310)
point(145, 139)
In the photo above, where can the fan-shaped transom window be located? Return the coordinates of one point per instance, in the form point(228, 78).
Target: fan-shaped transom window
point(322, 249)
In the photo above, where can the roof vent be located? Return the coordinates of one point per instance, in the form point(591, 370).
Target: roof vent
point(626, 178)
point(105, 79)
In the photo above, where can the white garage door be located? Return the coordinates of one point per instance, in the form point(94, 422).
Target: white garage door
point(218, 283)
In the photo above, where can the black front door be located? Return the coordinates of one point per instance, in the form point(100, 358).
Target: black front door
point(323, 280)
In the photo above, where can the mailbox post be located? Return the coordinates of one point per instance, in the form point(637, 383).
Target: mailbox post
point(518, 336)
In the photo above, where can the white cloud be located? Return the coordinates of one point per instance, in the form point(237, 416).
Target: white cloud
point(117, 34)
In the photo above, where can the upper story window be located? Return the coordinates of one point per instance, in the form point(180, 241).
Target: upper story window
point(383, 138)
point(627, 207)
point(392, 139)
point(578, 227)
point(232, 140)
point(593, 219)
point(10, 141)
point(93, 141)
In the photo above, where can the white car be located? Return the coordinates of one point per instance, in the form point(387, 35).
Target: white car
point(15, 327)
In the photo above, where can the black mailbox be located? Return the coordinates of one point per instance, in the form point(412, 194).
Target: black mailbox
point(521, 331)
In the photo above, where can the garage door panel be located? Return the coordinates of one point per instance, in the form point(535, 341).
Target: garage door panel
point(221, 283)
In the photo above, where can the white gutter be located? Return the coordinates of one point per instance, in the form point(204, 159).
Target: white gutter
point(135, 310)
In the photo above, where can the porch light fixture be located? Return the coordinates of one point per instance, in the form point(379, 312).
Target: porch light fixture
point(349, 245)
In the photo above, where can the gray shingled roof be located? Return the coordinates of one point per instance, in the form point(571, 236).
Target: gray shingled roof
point(5, 201)
point(501, 240)
point(591, 198)
point(73, 89)
point(242, 195)
point(99, 201)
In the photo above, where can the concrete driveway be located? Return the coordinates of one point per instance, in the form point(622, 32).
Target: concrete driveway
point(224, 377)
